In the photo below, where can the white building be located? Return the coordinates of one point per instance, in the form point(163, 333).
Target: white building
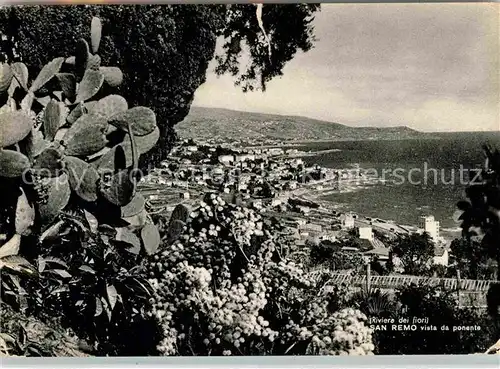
point(312, 227)
point(226, 159)
point(347, 221)
point(431, 226)
point(441, 256)
point(276, 151)
point(366, 233)
point(245, 157)
point(301, 222)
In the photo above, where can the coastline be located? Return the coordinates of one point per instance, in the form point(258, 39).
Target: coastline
point(296, 143)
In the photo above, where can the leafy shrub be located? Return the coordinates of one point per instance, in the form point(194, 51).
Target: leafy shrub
point(222, 289)
point(28, 336)
point(73, 219)
point(330, 255)
point(481, 222)
point(441, 307)
point(415, 252)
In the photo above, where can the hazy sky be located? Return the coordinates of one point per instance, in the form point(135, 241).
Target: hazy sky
point(432, 67)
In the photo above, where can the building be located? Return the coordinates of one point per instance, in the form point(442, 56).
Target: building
point(381, 253)
point(312, 227)
point(366, 233)
point(301, 222)
point(329, 236)
point(245, 157)
point(441, 256)
point(431, 226)
point(347, 221)
point(276, 151)
point(226, 159)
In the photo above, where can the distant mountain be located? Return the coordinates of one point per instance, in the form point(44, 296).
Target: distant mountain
point(207, 123)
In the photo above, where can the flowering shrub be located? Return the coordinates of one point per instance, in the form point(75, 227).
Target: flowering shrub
point(223, 289)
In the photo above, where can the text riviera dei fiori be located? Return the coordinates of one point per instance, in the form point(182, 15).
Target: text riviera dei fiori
point(414, 324)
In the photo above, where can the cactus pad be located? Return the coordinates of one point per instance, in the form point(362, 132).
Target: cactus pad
point(134, 207)
point(14, 126)
point(57, 197)
point(46, 74)
point(113, 76)
point(95, 33)
point(5, 77)
point(76, 113)
point(128, 237)
point(82, 54)
point(141, 119)
point(25, 215)
point(86, 136)
point(21, 74)
point(175, 230)
point(49, 163)
point(181, 212)
point(109, 106)
point(83, 178)
point(52, 119)
point(13, 163)
point(150, 238)
point(91, 84)
point(119, 189)
point(137, 221)
point(94, 62)
point(67, 81)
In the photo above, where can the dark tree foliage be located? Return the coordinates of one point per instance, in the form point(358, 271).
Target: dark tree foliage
point(481, 219)
point(470, 258)
point(289, 29)
point(330, 254)
point(481, 213)
point(164, 50)
point(443, 310)
point(415, 252)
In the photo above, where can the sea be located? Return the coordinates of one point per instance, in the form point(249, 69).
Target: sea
point(418, 177)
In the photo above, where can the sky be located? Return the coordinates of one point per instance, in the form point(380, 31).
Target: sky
point(431, 67)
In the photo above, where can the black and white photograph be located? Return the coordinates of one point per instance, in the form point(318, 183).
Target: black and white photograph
point(249, 179)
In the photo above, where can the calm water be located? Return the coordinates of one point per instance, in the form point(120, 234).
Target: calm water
point(423, 177)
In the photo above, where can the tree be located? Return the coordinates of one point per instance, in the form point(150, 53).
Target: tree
point(415, 252)
point(481, 219)
point(442, 308)
point(330, 254)
point(164, 50)
point(481, 213)
point(471, 259)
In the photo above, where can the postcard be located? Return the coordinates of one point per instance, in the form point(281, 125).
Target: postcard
point(249, 179)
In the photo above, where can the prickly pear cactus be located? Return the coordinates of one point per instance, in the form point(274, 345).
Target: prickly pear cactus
point(69, 147)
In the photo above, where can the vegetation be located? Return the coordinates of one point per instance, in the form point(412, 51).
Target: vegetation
point(481, 221)
point(85, 270)
point(471, 259)
point(205, 123)
point(164, 50)
point(330, 255)
point(224, 288)
point(75, 226)
point(27, 336)
point(415, 252)
point(441, 307)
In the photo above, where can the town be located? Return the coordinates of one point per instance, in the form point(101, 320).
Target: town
point(279, 184)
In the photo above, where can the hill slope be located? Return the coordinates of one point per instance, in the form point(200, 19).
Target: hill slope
point(206, 123)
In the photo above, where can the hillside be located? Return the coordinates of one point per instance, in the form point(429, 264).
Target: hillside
point(207, 123)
